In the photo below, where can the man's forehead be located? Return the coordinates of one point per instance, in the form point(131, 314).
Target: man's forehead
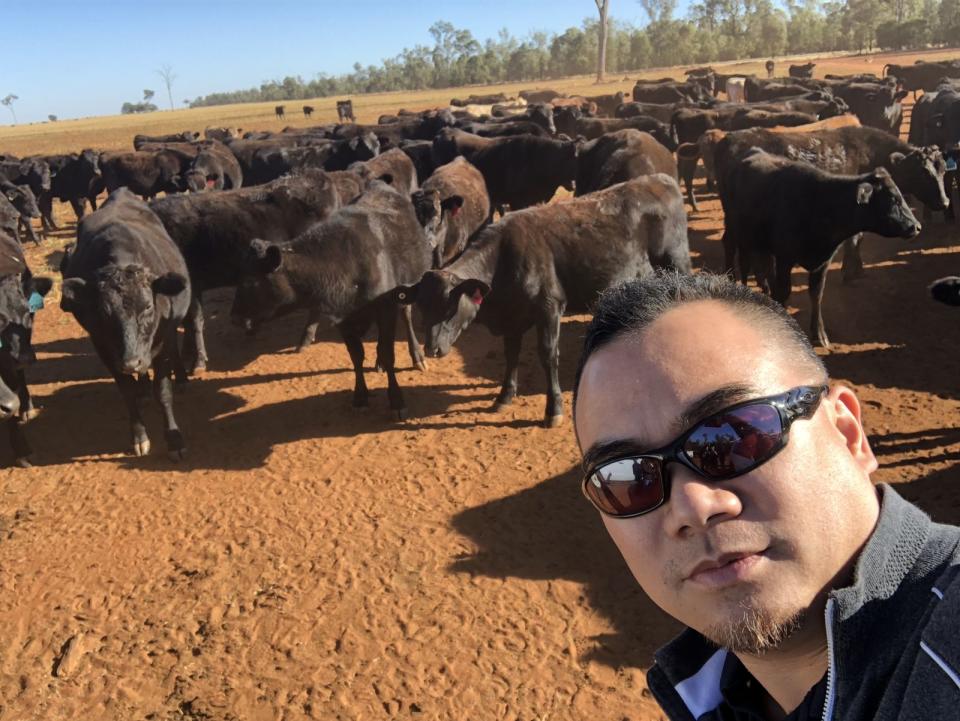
point(640, 384)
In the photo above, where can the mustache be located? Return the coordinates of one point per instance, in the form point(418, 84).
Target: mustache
point(721, 541)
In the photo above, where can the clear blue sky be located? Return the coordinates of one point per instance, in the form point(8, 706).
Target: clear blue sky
point(87, 57)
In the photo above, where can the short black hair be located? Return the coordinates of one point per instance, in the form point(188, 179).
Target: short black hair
point(633, 305)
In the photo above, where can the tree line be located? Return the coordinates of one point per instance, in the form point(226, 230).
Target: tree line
point(713, 30)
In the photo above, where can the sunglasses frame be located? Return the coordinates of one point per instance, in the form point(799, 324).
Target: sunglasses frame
point(798, 403)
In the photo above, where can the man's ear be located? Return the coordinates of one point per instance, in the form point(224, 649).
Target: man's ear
point(846, 415)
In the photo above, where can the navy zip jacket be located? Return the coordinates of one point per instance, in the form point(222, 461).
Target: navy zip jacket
point(893, 635)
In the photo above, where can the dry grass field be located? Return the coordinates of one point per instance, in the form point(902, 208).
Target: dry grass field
point(310, 562)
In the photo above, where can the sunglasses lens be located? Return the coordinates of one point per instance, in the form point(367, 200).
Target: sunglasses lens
point(626, 487)
point(735, 441)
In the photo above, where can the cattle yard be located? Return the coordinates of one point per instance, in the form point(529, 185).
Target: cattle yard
point(310, 561)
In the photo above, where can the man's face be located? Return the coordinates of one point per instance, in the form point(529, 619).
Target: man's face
point(795, 522)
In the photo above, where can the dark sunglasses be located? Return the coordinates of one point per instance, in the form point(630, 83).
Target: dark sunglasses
point(724, 445)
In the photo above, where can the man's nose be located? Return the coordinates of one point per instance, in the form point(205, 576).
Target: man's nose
point(697, 503)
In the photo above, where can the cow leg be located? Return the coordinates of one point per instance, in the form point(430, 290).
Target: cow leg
point(782, 281)
point(27, 410)
point(817, 282)
point(352, 334)
point(45, 203)
point(194, 349)
point(78, 207)
point(548, 338)
point(138, 431)
point(27, 228)
point(511, 351)
point(387, 334)
point(413, 345)
point(309, 334)
point(744, 261)
point(852, 267)
point(163, 393)
point(18, 443)
point(687, 170)
point(729, 251)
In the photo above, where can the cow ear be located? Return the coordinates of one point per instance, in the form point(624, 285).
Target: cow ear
point(169, 284)
point(475, 290)
point(896, 158)
point(73, 294)
point(272, 259)
point(901, 95)
point(453, 204)
point(406, 294)
point(42, 285)
point(864, 192)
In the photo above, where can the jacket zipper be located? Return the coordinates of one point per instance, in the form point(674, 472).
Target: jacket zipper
point(831, 669)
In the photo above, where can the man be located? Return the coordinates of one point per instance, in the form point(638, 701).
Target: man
point(736, 484)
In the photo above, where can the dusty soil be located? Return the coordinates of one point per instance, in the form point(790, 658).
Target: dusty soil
point(311, 562)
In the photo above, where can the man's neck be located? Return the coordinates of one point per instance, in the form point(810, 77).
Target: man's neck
point(790, 671)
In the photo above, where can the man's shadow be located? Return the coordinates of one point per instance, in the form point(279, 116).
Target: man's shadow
point(551, 532)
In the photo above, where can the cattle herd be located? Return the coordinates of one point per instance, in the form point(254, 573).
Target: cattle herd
point(446, 211)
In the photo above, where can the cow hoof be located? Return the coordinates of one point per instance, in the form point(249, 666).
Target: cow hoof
point(378, 368)
point(420, 365)
point(177, 455)
point(553, 421)
point(301, 348)
point(141, 448)
point(198, 370)
point(23, 462)
point(500, 404)
point(400, 414)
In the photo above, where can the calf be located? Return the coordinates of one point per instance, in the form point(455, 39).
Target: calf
point(345, 111)
point(802, 71)
point(456, 195)
point(214, 168)
point(343, 269)
point(126, 284)
point(620, 156)
point(307, 111)
point(278, 111)
point(762, 218)
point(212, 231)
point(535, 265)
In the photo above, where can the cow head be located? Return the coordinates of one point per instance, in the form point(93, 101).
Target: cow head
point(23, 199)
point(9, 219)
point(565, 119)
point(37, 174)
point(435, 214)
point(126, 303)
point(264, 290)
point(364, 146)
point(920, 173)
point(568, 163)
point(542, 115)
point(885, 211)
point(448, 305)
point(21, 296)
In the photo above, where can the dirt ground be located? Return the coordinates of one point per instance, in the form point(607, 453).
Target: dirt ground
point(311, 562)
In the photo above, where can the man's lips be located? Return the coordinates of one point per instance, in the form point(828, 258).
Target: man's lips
point(727, 568)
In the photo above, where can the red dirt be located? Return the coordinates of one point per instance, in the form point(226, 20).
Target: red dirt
point(309, 561)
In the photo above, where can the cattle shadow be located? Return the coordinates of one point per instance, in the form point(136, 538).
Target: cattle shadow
point(85, 420)
point(550, 532)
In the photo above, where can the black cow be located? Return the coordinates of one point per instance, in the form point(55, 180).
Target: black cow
point(524, 170)
point(480, 100)
point(25, 202)
point(538, 96)
point(669, 92)
point(922, 75)
point(279, 112)
point(946, 290)
point(591, 128)
point(144, 172)
point(535, 265)
point(802, 71)
point(33, 172)
point(763, 219)
point(756, 89)
point(456, 194)
point(126, 284)
point(343, 269)
point(74, 179)
point(620, 156)
point(263, 161)
point(214, 168)
point(608, 104)
point(345, 111)
point(451, 142)
point(769, 119)
point(769, 67)
point(659, 111)
point(307, 111)
point(187, 136)
point(393, 167)
point(21, 296)
point(421, 153)
point(508, 128)
point(877, 105)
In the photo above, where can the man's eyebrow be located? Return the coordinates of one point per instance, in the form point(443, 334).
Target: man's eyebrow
point(702, 407)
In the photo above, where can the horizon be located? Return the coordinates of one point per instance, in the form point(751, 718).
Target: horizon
point(286, 43)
